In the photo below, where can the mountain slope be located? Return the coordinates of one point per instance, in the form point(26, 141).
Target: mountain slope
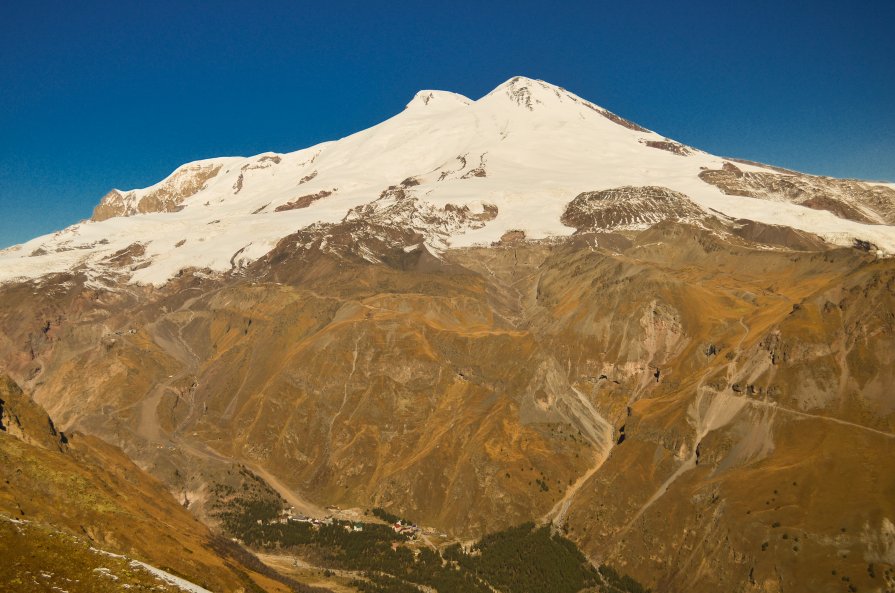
point(65, 495)
point(481, 313)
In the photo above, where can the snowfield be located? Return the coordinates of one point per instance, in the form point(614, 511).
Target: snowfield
point(171, 579)
point(527, 148)
point(158, 573)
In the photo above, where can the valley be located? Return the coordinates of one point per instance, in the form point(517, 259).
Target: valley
point(569, 374)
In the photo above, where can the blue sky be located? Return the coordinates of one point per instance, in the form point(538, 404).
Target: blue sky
point(95, 95)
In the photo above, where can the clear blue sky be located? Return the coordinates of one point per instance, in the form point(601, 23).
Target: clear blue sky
point(95, 95)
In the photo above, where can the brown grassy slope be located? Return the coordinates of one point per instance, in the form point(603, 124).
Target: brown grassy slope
point(88, 488)
point(787, 420)
point(430, 425)
point(446, 392)
point(37, 558)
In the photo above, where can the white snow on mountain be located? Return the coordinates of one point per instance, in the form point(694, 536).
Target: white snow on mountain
point(527, 149)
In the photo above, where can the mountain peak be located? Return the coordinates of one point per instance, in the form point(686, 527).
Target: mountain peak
point(529, 92)
point(524, 82)
point(438, 99)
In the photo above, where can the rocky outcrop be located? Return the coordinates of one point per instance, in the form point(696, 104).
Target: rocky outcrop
point(303, 201)
point(628, 208)
point(846, 198)
point(22, 418)
point(398, 207)
point(669, 146)
point(167, 196)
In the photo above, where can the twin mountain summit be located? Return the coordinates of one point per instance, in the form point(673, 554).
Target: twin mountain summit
point(512, 344)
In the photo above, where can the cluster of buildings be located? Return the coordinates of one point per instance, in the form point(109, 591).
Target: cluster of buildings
point(408, 529)
point(290, 518)
point(287, 516)
point(402, 526)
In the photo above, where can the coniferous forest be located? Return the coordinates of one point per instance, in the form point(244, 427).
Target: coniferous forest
point(523, 559)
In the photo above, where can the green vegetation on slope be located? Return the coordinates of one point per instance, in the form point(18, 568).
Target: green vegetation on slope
point(523, 559)
point(386, 516)
point(527, 559)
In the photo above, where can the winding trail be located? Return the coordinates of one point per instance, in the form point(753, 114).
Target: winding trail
point(721, 409)
point(775, 406)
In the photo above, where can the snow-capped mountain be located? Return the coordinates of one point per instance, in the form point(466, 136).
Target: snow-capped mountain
point(459, 173)
point(478, 315)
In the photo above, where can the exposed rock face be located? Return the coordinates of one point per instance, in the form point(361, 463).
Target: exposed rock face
point(398, 207)
point(669, 146)
point(846, 198)
point(165, 197)
point(22, 418)
point(630, 208)
point(114, 203)
point(303, 201)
